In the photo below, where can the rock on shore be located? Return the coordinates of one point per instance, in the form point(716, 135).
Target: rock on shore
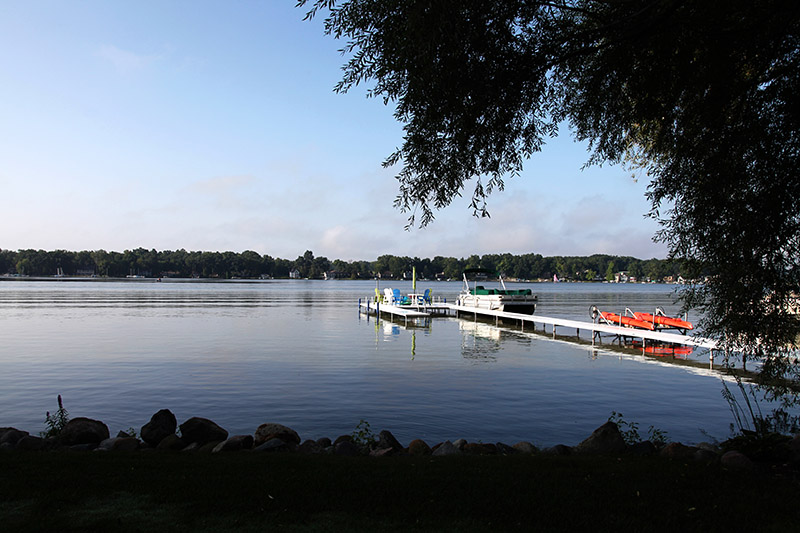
point(202, 431)
point(161, 425)
point(84, 431)
point(201, 435)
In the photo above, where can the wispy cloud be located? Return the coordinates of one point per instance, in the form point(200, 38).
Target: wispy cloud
point(125, 61)
point(221, 184)
point(235, 192)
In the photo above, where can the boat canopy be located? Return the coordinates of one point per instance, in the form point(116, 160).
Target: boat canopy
point(482, 291)
point(481, 271)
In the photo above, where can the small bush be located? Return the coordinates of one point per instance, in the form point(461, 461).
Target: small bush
point(363, 436)
point(56, 422)
point(630, 431)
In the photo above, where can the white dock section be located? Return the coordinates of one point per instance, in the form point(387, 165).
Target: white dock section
point(645, 335)
point(406, 312)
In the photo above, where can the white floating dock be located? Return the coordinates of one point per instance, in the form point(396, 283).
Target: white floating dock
point(636, 333)
point(396, 310)
point(406, 312)
point(426, 311)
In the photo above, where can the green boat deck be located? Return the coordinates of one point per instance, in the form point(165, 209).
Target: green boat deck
point(482, 291)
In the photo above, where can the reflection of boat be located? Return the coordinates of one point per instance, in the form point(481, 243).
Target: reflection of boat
point(508, 300)
point(479, 342)
point(479, 329)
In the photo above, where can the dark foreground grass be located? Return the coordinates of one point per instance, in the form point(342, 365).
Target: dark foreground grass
point(260, 492)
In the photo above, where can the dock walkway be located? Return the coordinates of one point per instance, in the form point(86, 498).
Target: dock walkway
point(426, 311)
point(595, 328)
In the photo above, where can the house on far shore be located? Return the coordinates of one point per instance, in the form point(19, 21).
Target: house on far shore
point(331, 274)
point(294, 274)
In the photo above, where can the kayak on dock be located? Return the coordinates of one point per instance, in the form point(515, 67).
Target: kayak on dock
point(642, 320)
point(625, 321)
point(664, 321)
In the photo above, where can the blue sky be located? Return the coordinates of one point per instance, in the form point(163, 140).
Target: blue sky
point(213, 126)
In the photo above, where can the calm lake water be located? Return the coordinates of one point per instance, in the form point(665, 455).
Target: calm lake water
point(298, 353)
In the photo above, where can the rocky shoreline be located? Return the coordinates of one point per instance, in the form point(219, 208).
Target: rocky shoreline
point(200, 435)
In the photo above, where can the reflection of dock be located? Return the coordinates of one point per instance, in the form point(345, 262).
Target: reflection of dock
point(425, 311)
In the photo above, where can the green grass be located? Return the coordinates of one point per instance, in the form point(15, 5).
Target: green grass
point(259, 492)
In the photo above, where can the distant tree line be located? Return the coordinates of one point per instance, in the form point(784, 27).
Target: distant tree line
point(250, 264)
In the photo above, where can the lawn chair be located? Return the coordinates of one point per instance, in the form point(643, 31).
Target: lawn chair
point(426, 297)
point(399, 299)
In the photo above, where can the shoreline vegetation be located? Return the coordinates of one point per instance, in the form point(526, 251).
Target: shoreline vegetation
point(196, 477)
point(142, 263)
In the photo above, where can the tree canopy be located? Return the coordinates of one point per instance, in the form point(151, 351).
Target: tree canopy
point(700, 97)
point(250, 264)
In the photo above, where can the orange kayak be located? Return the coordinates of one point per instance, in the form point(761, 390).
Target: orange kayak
point(666, 321)
point(618, 320)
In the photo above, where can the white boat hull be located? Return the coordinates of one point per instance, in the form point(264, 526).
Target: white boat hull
point(493, 302)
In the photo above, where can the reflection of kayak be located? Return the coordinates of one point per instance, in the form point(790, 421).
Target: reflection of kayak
point(666, 321)
point(665, 349)
point(618, 320)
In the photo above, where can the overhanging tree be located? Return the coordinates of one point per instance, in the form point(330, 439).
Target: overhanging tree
point(701, 97)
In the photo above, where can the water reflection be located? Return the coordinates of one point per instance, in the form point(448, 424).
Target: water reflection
point(298, 351)
point(479, 341)
point(666, 353)
point(675, 351)
point(387, 330)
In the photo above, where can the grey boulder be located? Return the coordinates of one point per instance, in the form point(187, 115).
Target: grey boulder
point(83, 431)
point(161, 425)
point(202, 431)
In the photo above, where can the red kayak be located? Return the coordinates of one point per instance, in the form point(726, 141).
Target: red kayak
point(618, 320)
point(666, 321)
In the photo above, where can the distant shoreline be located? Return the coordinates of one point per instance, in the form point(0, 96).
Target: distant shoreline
point(257, 280)
point(138, 280)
